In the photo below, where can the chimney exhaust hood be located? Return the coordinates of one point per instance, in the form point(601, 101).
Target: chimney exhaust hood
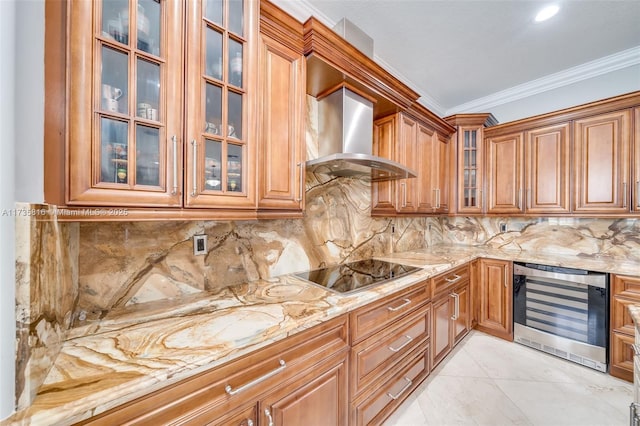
point(345, 139)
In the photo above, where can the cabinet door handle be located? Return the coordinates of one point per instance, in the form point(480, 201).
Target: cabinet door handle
point(404, 194)
point(399, 348)
point(456, 277)
point(624, 194)
point(437, 198)
point(638, 194)
point(456, 307)
point(397, 308)
point(194, 144)
point(268, 414)
point(506, 270)
point(519, 203)
point(249, 422)
point(228, 389)
point(403, 390)
point(301, 181)
point(174, 142)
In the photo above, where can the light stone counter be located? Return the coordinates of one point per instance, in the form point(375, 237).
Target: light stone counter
point(141, 348)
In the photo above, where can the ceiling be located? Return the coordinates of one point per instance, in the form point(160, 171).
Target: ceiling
point(456, 52)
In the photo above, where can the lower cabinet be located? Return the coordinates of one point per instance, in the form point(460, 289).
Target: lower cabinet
point(299, 380)
point(625, 291)
point(494, 298)
point(393, 358)
point(451, 305)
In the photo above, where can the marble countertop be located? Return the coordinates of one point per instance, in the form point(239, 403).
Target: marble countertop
point(139, 349)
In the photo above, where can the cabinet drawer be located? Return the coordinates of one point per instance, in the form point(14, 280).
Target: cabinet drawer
point(375, 407)
point(369, 319)
point(626, 286)
point(374, 356)
point(231, 385)
point(446, 281)
point(621, 320)
point(621, 356)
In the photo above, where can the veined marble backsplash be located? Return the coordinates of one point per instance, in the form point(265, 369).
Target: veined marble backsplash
point(589, 238)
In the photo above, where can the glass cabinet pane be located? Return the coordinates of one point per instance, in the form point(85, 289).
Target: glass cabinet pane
point(466, 139)
point(149, 26)
point(213, 11)
point(114, 81)
point(234, 168)
point(212, 165)
point(235, 63)
point(115, 21)
point(213, 110)
point(236, 16)
point(214, 54)
point(147, 156)
point(114, 152)
point(148, 90)
point(234, 129)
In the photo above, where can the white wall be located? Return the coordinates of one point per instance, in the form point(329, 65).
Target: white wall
point(21, 158)
point(7, 199)
point(615, 83)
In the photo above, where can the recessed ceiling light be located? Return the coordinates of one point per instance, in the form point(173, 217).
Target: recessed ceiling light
point(547, 12)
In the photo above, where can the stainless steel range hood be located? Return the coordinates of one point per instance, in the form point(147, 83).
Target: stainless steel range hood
point(345, 139)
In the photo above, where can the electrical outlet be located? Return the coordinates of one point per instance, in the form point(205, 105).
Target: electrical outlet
point(199, 245)
point(503, 227)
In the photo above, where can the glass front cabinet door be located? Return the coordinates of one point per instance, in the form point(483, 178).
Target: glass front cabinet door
point(134, 138)
point(220, 120)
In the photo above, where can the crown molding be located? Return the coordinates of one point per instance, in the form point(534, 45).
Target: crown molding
point(601, 66)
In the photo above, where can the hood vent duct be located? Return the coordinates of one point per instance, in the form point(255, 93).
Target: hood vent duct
point(345, 138)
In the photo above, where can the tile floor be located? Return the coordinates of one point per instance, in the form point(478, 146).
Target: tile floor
point(488, 381)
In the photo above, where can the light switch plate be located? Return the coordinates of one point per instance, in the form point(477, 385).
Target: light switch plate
point(199, 245)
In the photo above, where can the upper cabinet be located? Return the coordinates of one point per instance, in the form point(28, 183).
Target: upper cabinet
point(281, 86)
point(133, 139)
point(601, 163)
point(581, 161)
point(422, 144)
point(125, 103)
point(220, 110)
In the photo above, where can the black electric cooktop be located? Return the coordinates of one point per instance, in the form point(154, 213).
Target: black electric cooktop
point(356, 275)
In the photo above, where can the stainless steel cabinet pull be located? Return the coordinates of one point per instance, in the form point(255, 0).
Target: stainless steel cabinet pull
point(456, 277)
point(437, 198)
point(228, 389)
point(403, 390)
point(638, 194)
point(456, 306)
point(268, 414)
point(194, 192)
point(506, 278)
point(633, 414)
point(174, 141)
point(397, 308)
point(301, 177)
point(249, 422)
point(409, 340)
point(404, 194)
point(636, 349)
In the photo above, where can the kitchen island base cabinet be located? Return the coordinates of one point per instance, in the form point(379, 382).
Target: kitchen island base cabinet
point(495, 298)
point(292, 377)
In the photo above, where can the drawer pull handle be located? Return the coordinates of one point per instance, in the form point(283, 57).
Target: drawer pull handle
point(397, 308)
point(409, 340)
point(636, 349)
point(455, 278)
point(228, 389)
point(634, 420)
point(403, 390)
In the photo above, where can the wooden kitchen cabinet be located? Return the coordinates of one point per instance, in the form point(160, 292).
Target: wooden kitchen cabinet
point(413, 139)
point(625, 291)
point(390, 352)
point(601, 163)
point(468, 193)
point(495, 298)
point(146, 130)
point(548, 170)
point(291, 379)
point(451, 311)
point(281, 138)
point(505, 174)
